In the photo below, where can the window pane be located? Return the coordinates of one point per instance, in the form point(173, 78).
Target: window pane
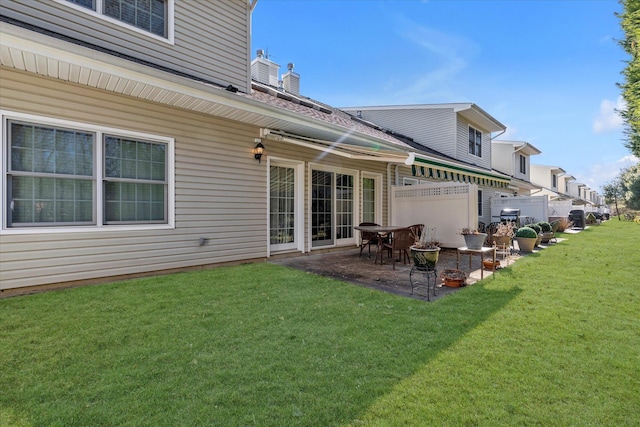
point(51, 200)
point(148, 15)
point(90, 4)
point(50, 150)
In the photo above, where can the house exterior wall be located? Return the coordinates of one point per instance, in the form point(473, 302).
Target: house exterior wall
point(219, 192)
point(502, 158)
point(211, 39)
point(541, 175)
point(433, 128)
point(462, 144)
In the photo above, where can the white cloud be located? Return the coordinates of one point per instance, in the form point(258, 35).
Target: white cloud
point(600, 174)
point(608, 119)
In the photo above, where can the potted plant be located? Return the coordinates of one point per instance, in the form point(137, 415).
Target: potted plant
point(538, 231)
point(425, 251)
point(453, 278)
point(503, 234)
point(547, 231)
point(526, 238)
point(473, 238)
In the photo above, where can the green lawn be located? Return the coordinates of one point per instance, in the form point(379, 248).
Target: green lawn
point(553, 340)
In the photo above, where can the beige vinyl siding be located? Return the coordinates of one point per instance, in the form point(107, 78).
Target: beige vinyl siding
point(463, 145)
point(502, 158)
point(433, 128)
point(220, 192)
point(211, 38)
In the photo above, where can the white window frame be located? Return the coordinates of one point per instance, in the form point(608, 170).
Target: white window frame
point(99, 14)
point(356, 198)
point(477, 149)
point(99, 131)
point(298, 167)
point(378, 194)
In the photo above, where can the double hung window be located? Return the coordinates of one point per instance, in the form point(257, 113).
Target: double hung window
point(523, 164)
point(147, 15)
point(475, 142)
point(69, 176)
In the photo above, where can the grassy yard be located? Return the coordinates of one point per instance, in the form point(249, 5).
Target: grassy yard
point(553, 340)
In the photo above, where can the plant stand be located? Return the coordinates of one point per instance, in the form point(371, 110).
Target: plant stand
point(423, 277)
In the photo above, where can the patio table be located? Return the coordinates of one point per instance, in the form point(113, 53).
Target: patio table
point(382, 231)
point(481, 252)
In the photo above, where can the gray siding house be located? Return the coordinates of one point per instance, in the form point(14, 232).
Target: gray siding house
point(459, 135)
point(129, 147)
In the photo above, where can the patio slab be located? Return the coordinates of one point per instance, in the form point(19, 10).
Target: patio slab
point(348, 266)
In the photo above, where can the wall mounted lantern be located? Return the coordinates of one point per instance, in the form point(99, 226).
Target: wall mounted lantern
point(257, 152)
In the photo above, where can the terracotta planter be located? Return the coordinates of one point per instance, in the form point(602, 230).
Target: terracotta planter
point(489, 265)
point(526, 244)
point(475, 241)
point(453, 278)
point(425, 259)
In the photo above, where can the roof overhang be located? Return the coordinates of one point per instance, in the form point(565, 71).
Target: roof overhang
point(25, 50)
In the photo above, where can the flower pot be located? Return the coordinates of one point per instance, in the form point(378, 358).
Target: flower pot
point(502, 241)
point(424, 259)
point(475, 241)
point(488, 264)
point(526, 244)
point(546, 236)
point(538, 240)
point(453, 278)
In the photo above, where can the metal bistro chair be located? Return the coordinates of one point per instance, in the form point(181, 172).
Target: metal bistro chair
point(401, 241)
point(367, 238)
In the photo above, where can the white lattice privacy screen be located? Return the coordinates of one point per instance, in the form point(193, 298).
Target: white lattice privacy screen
point(445, 207)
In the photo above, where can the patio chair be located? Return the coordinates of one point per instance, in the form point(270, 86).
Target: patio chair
point(416, 231)
point(401, 241)
point(367, 238)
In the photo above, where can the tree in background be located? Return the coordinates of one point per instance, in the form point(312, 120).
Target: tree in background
point(630, 183)
point(613, 194)
point(624, 190)
point(630, 22)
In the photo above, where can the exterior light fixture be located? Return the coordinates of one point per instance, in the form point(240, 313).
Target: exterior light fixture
point(257, 152)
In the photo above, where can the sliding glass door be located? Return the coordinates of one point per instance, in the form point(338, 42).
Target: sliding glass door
point(332, 207)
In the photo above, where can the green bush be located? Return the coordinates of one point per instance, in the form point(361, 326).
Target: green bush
point(535, 228)
point(545, 226)
point(527, 232)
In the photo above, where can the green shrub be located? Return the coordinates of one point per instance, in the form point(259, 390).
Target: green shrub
point(535, 228)
point(527, 232)
point(545, 226)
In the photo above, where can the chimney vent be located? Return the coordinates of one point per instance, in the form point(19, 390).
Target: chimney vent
point(291, 81)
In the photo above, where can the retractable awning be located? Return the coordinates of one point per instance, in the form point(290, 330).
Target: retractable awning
point(441, 170)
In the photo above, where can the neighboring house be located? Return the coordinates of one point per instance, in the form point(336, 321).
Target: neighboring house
point(548, 179)
point(513, 158)
point(454, 138)
point(563, 183)
point(128, 145)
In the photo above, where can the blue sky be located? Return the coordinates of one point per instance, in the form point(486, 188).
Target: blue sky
point(547, 69)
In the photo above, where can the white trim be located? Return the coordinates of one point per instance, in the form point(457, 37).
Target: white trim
point(335, 170)
point(377, 177)
point(98, 14)
point(298, 167)
point(99, 131)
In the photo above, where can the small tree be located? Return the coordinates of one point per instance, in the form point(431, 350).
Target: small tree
point(613, 193)
point(630, 183)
